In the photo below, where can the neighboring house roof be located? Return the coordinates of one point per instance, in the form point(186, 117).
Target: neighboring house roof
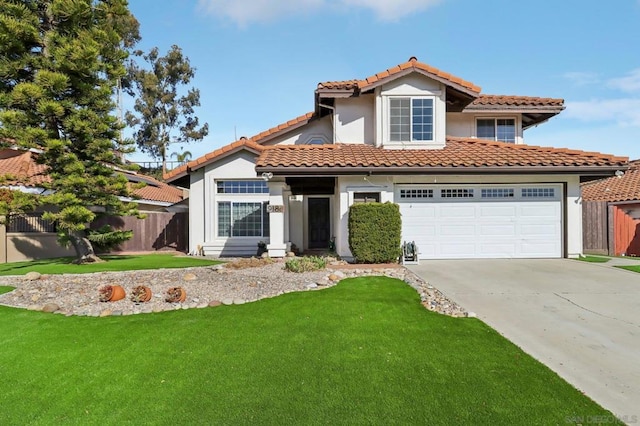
point(460, 155)
point(399, 70)
point(22, 166)
point(623, 188)
point(27, 172)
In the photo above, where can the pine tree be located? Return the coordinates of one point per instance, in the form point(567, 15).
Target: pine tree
point(60, 61)
point(162, 116)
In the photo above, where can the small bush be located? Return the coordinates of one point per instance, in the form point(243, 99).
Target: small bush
point(375, 232)
point(305, 264)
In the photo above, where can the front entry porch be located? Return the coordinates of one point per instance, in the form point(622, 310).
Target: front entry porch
point(302, 214)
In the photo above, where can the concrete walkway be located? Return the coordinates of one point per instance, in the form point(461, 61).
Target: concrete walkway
point(580, 319)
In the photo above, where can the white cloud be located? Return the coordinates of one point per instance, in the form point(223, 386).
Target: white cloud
point(624, 111)
point(628, 83)
point(243, 12)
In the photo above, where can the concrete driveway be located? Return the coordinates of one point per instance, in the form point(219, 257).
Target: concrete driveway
point(580, 319)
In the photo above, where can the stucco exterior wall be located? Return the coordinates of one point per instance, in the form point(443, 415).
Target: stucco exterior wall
point(354, 120)
point(321, 128)
point(17, 247)
point(203, 200)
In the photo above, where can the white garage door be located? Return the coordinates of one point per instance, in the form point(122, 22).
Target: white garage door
point(480, 221)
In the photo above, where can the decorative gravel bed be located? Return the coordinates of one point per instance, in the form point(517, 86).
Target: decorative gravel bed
point(205, 287)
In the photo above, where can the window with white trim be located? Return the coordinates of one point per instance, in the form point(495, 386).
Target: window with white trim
point(497, 193)
point(411, 119)
point(366, 197)
point(538, 192)
point(497, 129)
point(242, 187)
point(416, 193)
point(243, 219)
point(317, 140)
point(456, 193)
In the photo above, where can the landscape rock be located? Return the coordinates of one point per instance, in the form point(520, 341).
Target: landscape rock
point(256, 280)
point(32, 276)
point(50, 307)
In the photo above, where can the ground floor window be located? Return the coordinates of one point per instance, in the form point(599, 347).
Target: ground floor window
point(243, 219)
point(366, 197)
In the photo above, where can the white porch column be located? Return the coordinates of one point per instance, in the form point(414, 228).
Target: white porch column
point(277, 246)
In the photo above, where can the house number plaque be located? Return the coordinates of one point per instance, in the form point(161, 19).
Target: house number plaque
point(275, 209)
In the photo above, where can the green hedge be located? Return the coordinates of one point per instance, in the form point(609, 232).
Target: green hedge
point(375, 232)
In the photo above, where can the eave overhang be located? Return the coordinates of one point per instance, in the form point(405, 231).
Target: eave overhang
point(370, 171)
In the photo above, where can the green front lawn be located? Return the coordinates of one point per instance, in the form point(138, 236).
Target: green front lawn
point(633, 268)
point(594, 259)
point(63, 265)
point(363, 352)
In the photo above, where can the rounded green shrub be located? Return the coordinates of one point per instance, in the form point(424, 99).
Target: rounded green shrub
point(375, 232)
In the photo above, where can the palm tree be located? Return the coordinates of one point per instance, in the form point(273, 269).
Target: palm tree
point(182, 157)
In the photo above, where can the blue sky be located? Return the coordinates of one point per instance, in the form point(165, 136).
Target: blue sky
point(259, 61)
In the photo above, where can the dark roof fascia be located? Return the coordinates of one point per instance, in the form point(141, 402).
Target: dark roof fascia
point(369, 171)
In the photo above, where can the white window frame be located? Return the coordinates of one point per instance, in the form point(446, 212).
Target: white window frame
point(311, 138)
point(411, 118)
point(239, 198)
point(495, 128)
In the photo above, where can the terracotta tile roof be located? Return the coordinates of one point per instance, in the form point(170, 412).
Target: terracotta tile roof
point(210, 157)
point(515, 101)
point(624, 188)
point(23, 166)
point(390, 73)
point(252, 142)
point(289, 125)
point(459, 153)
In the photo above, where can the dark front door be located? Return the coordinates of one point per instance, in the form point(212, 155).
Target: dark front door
point(319, 224)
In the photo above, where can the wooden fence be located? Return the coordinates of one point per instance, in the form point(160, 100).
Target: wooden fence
point(595, 227)
point(158, 231)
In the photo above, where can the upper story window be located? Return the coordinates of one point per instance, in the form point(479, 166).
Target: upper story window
point(497, 129)
point(242, 187)
point(410, 119)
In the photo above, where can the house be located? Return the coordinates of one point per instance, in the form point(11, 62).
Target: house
point(454, 159)
point(611, 214)
point(30, 237)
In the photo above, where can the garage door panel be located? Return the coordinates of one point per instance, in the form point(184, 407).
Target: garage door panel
point(537, 249)
point(506, 231)
point(419, 211)
point(459, 211)
point(538, 211)
point(458, 249)
point(519, 226)
point(457, 230)
point(542, 230)
point(420, 231)
point(497, 211)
